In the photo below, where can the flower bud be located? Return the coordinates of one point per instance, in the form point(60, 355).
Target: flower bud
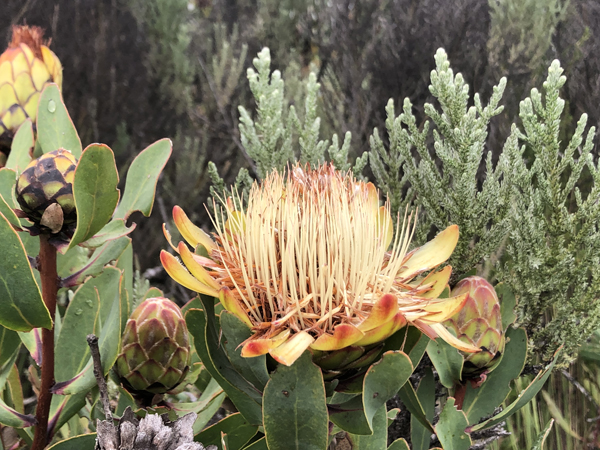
point(155, 354)
point(45, 191)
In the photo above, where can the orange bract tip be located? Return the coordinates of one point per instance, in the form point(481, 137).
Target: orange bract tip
point(383, 311)
point(343, 335)
point(437, 281)
point(259, 347)
point(443, 333)
point(384, 331)
point(290, 351)
point(231, 304)
point(190, 232)
point(182, 276)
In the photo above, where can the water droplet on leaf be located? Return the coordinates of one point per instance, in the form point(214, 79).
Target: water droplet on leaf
point(78, 311)
point(51, 106)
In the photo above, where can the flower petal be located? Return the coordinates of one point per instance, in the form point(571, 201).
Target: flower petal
point(290, 351)
point(344, 335)
point(443, 333)
point(383, 311)
point(430, 255)
point(231, 304)
point(259, 347)
point(190, 232)
point(199, 272)
point(182, 276)
point(438, 281)
point(384, 331)
point(444, 309)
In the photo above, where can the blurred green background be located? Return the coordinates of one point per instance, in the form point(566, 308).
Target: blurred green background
point(139, 70)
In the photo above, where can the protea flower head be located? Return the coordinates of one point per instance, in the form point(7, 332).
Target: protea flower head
point(155, 355)
point(45, 192)
point(479, 323)
point(312, 261)
point(26, 67)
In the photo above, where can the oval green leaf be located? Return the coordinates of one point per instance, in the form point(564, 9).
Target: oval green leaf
point(21, 305)
point(22, 145)
point(54, 125)
point(142, 176)
point(447, 361)
point(236, 332)
point(399, 444)
point(238, 431)
point(294, 407)
point(112, 230)
point(203, 328)
point(12, 418)
point(82, 442)
point(375, 441)
point(524, 397)
point(450, 429)
point(95, 191)
point(420, 436)
point(482, 401)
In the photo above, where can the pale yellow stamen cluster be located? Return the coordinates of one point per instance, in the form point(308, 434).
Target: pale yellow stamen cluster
point(311, 250)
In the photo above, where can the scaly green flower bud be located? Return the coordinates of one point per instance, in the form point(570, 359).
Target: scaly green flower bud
point(156, 351)
point(479, 323)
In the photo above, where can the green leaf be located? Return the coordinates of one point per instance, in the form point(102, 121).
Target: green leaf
point(82, 318)
point(22, 307)
point(238, 431)
point(420, 435)
point(375, 441)
point(8, 179)
point(112, 230)
point(507, 304)
point(399, 444)
point(447, 361)
point(541, 440)
point(409, 397)
point(261, 444)
point(102, 256)
point(206, 407)
point(142, 177)
point(82, 442)
point(21, 146)
point(524, 397)
point(294, 407)
point(64, 407)
point(381, 382)
point(201, 325)
point(54, 126)
point(14, 419)
point(9, 214)
point(383, 379)
point(253, 369)
point(71, 261)
point(482, 401)
point(32, 340)
point(450, 429)
point(109, 343)
point(95, 191)
point(9, 346)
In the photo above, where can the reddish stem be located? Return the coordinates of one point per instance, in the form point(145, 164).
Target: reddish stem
point(459, 395)
point(49, 276)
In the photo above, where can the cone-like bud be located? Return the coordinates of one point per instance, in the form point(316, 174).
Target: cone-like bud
point(479, 323)
point(156, 352)
point(26, 67)
point(45, 191)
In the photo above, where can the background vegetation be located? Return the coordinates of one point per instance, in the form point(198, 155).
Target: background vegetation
point(138, 70)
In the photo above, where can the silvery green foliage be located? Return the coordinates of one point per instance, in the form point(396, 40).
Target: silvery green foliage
point(278, 135)
point(554, 250)
point(444, 183)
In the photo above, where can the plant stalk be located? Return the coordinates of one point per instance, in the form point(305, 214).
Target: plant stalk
point(49, 277)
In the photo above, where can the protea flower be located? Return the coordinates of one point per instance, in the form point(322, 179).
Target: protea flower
point(312, 261)
point(45, 192)
point(26, 67)
point(479, 323)
point(155, 355)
